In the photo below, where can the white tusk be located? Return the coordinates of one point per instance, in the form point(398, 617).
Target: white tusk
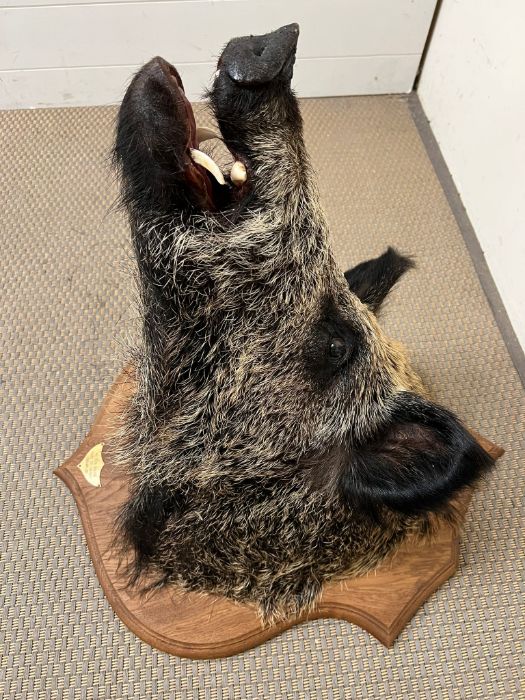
point(204, 134)
point(208, 163)
point(238, 173)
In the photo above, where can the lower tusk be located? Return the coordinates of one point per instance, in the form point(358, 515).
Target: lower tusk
point(204, 159)
point(238, 173)
point(204, 134)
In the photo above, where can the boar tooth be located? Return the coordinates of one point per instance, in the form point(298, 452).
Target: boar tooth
point(208, 163)
point(204, 134)
point(238, 173)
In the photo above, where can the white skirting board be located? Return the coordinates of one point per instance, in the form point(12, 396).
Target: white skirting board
point(79, 53)
point(356, 75)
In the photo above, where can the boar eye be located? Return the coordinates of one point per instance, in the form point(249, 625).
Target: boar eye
point(330, 346)
point(338, 348)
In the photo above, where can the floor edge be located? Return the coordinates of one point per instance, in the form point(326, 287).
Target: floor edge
point(477, 256)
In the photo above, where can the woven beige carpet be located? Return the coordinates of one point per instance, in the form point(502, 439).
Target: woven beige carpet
point(65, 315)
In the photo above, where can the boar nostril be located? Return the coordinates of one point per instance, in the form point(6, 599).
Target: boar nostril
point(255, 60)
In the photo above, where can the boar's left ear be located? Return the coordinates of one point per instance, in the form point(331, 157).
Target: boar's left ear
point(416, 463)
point(372, 280)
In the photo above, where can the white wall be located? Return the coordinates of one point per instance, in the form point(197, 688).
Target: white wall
point(473, 92)
point(72, 52)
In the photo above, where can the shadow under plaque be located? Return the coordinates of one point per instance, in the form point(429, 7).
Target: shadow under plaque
point(205, 626)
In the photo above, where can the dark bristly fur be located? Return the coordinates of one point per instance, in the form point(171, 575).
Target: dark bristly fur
point(272, 417)
point(372, 280)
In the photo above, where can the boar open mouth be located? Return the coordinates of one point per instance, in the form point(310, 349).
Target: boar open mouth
point(159, 143)
point(213, 188)
point(248, 72)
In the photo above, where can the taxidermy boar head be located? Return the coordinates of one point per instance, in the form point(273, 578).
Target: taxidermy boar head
point(276, 438)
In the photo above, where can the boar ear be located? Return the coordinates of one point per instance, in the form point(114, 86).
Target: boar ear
point(415, 464)
point(372, 280)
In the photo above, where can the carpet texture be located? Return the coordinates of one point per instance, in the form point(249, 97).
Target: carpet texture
point(66, 313)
